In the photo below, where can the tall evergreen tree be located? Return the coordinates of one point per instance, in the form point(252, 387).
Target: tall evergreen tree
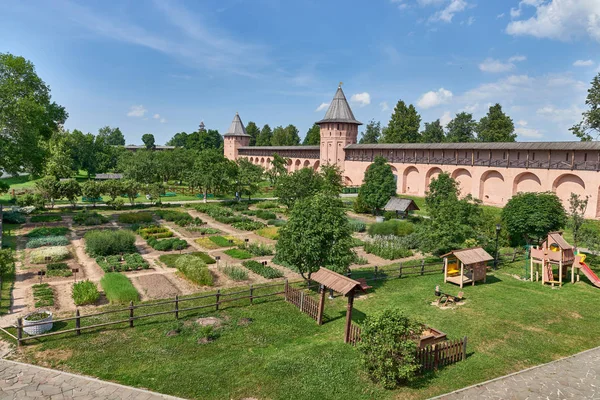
point(379, 184)
point(589, 127)
point(433, 133)
point(313, 136)
point(404, 125)
point(461, 129)
point(496, 126)
point(265, 136)
point(253, 131)
point(372, 133)
point(287, 136)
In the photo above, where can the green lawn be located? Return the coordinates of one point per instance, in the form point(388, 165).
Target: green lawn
point(283, 354)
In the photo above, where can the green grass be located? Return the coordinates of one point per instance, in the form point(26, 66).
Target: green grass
point(170, 259)
point(239, 254)
point(9, 239)
point(46, 218)
point(118, 288)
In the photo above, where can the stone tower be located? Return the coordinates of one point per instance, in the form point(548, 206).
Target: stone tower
point(235, 138)
point(339, 128)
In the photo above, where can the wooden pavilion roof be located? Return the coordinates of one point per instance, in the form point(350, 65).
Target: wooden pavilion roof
point(403, 205)
point(333, 280)
point(471, 256)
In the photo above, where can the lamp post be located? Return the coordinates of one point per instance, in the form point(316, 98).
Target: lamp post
point(498, 227)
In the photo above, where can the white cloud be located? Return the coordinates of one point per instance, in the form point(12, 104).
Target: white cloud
point(515, 12)
point(495, 66)
point(384, 106)
point(137, 111)
point(445, 118)
point(322, 107)
point(400, 3)
point(583, 63)
point(517, 58)
point(500, 16)
point(432, 99)
point(446, 15)
point(558, 19)
point(570, 115)
point(163, 120)
point(361, 99)
point(471, 108)
point(156, 116)
point(528, 132)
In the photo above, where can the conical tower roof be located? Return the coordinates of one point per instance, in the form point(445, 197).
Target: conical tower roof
point(237, 127)
point(339, 110)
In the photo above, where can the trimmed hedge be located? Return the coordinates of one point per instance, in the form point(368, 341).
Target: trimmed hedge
point(167, 244)
point(156, 232)
point(109, 242)
point(262, 270)
point(47, 241)
point(85, 292)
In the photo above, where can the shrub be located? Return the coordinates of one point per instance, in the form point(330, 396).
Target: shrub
point(277, 222)
point(194, 269)
point(89, 218)
point(170, 259)
point(238, 253)
point(109, 242)
point(118, 288)
point(360, 261)
point(357, 226)
point(265, 205)
point(129, 262)
point(85, 292)
point(135, 217)
point(156, 232)
point(202, 229)
point(248, 225)
point(49, 254)
point(269, 232)
point(58, 269)
point(46, 218)
point(47, 241)
point(180, 218)
point(48, 231)
point(262, 270)
point(43, 296)
point(13, 217)
point(167, 244)
point(235, 273)
point(262, 214)
point(260, 250)
point(393, 227)
point(237, 206)
point(388, 247)
point(388, 352)
point(359, 206)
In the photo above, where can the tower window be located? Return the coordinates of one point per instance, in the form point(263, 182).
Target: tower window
point(585, 157)
point(567, 157)
point(338, 126)
point(504, 155)
point(518, 156)
point(533, 156)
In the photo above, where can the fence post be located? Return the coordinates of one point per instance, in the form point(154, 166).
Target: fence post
point(285, 290)
point(422, 267)
point(302, 301)
point(251, 294)
point(19, 331)
point(400, 271)
point(436, 357)
point(375, 272)
point(464, 349)
point(217, 296)
point(77, 322)
point(176, 306)
point(131, 314)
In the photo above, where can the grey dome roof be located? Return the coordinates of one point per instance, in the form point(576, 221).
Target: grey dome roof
point(237, 127)
point(339, 110)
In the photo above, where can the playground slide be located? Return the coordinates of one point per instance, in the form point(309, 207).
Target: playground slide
point(590, 274)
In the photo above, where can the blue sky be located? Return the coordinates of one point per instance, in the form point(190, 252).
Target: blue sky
point(162, 66)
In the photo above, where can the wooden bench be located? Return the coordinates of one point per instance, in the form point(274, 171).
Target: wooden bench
point(363, 284)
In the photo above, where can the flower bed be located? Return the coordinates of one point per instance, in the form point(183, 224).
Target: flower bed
point(135, 217)
point(109, 242)
point(116, 263)
point(48, 231)
point(85, 292)
point(58, 269)
point(34, 243)
point(49, 254)
point(89, 218)
point(167, 244)
point(216, 242)
point(170, 259)
point(156, 232)
point(46, 218)
point(239, 254)
point(262, 270)
point(388, 247)
point(43, 295)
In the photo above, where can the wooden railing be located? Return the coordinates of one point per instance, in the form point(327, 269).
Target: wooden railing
point(302, 301)
point(354, 336)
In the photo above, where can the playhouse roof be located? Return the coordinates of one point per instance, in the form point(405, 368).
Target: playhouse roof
point(398, 204)
point(471, 256)
point(556, 237)
point(333, 280)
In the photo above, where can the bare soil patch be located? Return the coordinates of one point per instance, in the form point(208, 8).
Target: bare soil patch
point(155, 286)
point(209, 321)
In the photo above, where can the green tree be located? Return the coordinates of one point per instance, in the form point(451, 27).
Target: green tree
point(7, 263)
point(49, 188)
point(178, 140)
point(148, 140)
point(404, 125)
point(313, 136)
point(211, 172)
point(265, 137)
point(253, 131)
point(433, 133)
point(298, 185)
point(4, 187)
point(332, 182)
point(28, 117)
point(131, 188)
point(71, 190)
point(60, 162)
point(316, 235)
point(461, 129)
point(278, 168)
point(113, 188)
point(204, 139)
point(589, 127)
point(287, 136)
point(249, 177)
point(92, 190)
point(153, 192)
point(379, 185)
point(89, 152)
point(372, 133)
point(577, 207)
point(528, 217)
point(388, 349)
point(111, 136)
point(140, 165)
point(496, 126)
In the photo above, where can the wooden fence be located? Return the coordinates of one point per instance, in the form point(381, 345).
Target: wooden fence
point(354, 334)
point(302, 301)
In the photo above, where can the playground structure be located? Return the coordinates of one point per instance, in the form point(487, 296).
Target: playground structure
point(466, 266)
point(555, 252)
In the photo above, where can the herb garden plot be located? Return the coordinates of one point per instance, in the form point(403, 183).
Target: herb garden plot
point(118, 263)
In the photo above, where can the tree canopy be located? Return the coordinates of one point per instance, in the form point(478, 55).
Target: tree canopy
point(248, 177)
point(287, 136)
point(433, 133)
point(253, 131)
point(313, 136)
point(372, 133)
point(403, 126)
point(379, 184)
point(265, 136)
point(211, 172)
point(111, 136)
point(589, 127)
point(496, 126)
point(298, 185)
point(461, 129)
point(148, 140)
point(178, 140)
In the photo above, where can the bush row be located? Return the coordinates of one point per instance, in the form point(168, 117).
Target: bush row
point(178, 217)
point(48, 231)
point(135, 217)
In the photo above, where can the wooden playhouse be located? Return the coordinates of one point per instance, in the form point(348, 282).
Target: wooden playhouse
point(466, 266)
point(554, 252)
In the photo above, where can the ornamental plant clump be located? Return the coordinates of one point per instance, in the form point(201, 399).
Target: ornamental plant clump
point(235, 273)
point(116, 263)
point(248, 225)
point(167, 244)
point(85, 292)
point(263, 270)
point(48, 231)
point(388, 247)
point(135, 217)
point(89, 218)
point(49, 254)
point(194, 269)
point(109, 242)
point(47, 241)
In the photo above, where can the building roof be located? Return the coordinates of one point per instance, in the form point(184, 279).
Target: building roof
point(339, 110)
point(557, 237)
point(109, 176)
point(275, 148)
point(482, 146)
point(339, 283)
point(237, 127)
point(403, 205)
point(138, 147)
point(471, 256)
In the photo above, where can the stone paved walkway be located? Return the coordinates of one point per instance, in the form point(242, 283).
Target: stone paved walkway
point(574, 377)
point(24, 381)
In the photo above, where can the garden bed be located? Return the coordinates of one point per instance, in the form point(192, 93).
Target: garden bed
point(263, 270)
point(217, 242)
point(118, 263)
point(170, 259)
